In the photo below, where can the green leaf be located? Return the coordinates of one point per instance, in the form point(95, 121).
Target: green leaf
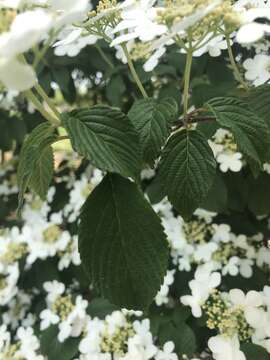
point(122, 243)
point(100, 308)
point(187, 170)
point(153, 119)
point(258, 101)
point(182, 336)
point(259, 195)
point(106, 137)
point(43, 172)
point(53, 349)
point(250, 132)
point(253, 351)
point(35, 168)
point(217, 197)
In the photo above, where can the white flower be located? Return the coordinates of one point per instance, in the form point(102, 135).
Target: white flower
point(71, 255)
point(251, 31)
point(141, 344)
point(224, 348)
point(222, 233)
point(245, 267)
point(180, 27)
point(231, 267)
point(139, 18)
point(257, 69)
point(250, 303)
point(162, 295)
point(204, 252)
point(29, 344)
point(214, 46)
point(167, 352)
point(9, 277)
point(201, 287)
point(230, 161)
point(27, 29)
point(90, 344)
point(4, 336)
point(69, 11)
point(54, 289)
point(152, 62)
point(45, 240)
point(48, 317)
point(20, 78)
point(72, 41)
point(114, 321)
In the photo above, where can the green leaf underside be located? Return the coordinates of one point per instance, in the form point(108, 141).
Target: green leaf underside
point(187, 170)
point(122, 243)
point(250, 131)
point(35, 168)
point(153, 119)
point(106, 137)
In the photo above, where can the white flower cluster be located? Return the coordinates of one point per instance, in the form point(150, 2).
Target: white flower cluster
point(202, 241)
point(236, 316)
point(26, 346)
point(148, 27)
point(225, 151)
point(24, 25)
point(41, 236)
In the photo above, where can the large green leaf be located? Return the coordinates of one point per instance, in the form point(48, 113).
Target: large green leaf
point(250, 131)
point(122, 244)
point(187, 170)
point(105, 136)
point(35, 168)
point(153, 119)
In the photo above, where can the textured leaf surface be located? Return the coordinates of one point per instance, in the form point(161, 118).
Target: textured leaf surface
point(258, 101)
point(153, 119)
point(122, 244)
point(43, 172)
point(105, 136)
point(36, 161)
point(187, 170)
point(250, 131)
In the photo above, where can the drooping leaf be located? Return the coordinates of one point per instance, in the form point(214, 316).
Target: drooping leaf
point(35, 168)
point(250, 131)
point(122, 244)
point(106, 137)
point(187, 170)
point(153, 119)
